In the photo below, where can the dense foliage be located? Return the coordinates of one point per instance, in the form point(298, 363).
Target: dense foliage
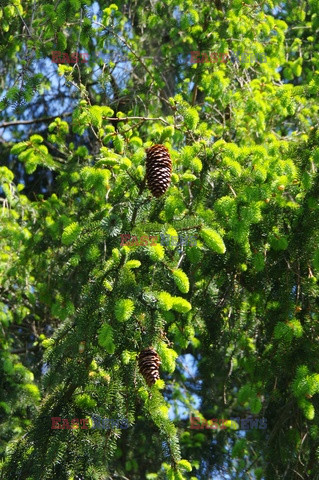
point(77, 308)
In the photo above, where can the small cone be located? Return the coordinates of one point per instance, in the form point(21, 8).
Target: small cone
point(158, 169)
point(149, 362)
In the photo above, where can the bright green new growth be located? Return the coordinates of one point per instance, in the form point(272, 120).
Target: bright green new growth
point(165, 301)
point(213, 240)
point(106, 338)
point(168, 357)
point(71, 233)
point(133, 264)
point(181, 305)
point(85, 401)
point(124, 309)
point(181, 280)
point(156, 252)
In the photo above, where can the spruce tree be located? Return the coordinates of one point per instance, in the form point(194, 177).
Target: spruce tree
point(103, 297)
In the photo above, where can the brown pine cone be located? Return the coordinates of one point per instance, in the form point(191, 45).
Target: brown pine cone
point(158, 169)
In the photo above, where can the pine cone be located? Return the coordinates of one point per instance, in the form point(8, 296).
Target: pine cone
point(149, 362)
point(158, 169)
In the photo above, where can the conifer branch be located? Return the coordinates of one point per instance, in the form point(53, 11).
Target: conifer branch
point(137, 206)
point(144, 119)
point(34, 120)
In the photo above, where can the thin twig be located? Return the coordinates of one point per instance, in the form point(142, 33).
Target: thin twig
point(126, 119)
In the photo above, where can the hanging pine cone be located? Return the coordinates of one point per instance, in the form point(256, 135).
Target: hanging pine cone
point(158, 169)
point(149, 362)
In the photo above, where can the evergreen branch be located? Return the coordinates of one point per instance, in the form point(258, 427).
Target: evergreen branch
point(139, 59)
point(126, 119)
point(131, 50)
point(142, 186)
point(34, 120)
point(58, 152)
